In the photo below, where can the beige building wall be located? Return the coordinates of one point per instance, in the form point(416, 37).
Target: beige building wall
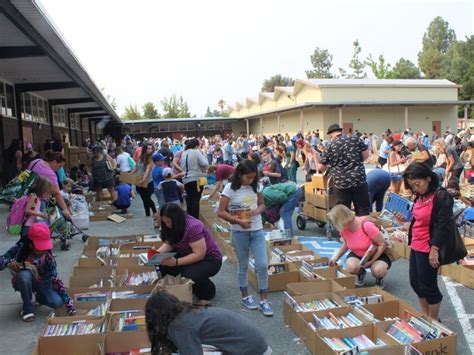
point(268, 105)
point(312, 119)
point(347, 94)
point(289, 122)
point(308, 94)
point(239, 127)
point(284, 101)
point(254, 126)
point(270, 124)
point(253, 108)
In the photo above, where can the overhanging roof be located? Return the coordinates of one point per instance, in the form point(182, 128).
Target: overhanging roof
point(340, 104)
point(178, 120)
point(33, 51)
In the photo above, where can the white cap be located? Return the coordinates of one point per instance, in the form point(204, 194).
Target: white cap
point(167, 172)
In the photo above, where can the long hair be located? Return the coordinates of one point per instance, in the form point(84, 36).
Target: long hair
point(13, 148)
point(145, 157)
point(178, 221)
point(191, 144)
point(243, 168)
point(51, 156)
point(418, 170)
point(160, 310)
point(41, 187)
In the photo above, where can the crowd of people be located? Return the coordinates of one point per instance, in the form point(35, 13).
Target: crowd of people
point(256, 181)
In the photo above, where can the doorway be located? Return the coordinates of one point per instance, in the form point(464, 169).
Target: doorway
point(27, 136)
point(437, 127)
point(347, 128)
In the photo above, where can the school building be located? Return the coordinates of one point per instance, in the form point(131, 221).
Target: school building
point(44, 89)
point(356, 104)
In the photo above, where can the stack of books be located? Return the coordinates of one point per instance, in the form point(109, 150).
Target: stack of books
point(74, 328)
point(99, 310)
point(104, 252)
point(294, 258)
point(361, 300)
point(129, 321)
point(361, 342)
point(335, 322)
point(278, 256)
point(417, 329)
point(319, 305)
point(92, 297)
point(132, 279)
point(128, 295)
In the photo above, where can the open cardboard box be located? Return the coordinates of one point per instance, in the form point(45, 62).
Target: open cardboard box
point(392, 347)
point(118, 305)
point(136, 269)
point(467, 275)
point(95, 241)
point(72, 344)
point(453, 271)
point(102, 271)
point(391, 309)
point(88, 280)
point(443, 345)
point(302, 329)
point(330, 273)
point(81, 308)
point(93, 262)
point(114, 317)
point(143, 246)
point(313, 287)
point(125, 342)
point(277, 282)
point(366, 291)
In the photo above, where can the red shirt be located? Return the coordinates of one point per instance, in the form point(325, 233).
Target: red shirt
point(361, 239)
point(421, 228)
point(224, 172)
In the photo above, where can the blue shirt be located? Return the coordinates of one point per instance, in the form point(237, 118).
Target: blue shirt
point(383, 147)
point(124, 192)
point(157, 175)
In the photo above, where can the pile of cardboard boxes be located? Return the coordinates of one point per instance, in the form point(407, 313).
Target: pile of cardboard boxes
point(95, 280)
point(75, 156)
point(318, 199)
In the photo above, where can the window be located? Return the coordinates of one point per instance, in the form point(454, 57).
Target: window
point(75, 121)
point(7, 100)
point(26, 114)
point(59, 116)
point(35, 109)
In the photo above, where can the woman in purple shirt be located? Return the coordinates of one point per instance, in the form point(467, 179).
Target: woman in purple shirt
point(197, 255)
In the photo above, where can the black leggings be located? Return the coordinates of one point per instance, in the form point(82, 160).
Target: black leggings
point(200, 273)
point(146, 193)
point(193, 196)
point(424, 278)
point(358, 195)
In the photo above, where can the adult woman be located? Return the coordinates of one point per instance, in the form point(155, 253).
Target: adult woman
point(102, 173)
point(12, 164)
point(312, 162)
point(359, 234)
point(47, 167)
point(145, 187)
point(293, 164)
point(194, 164)
point(123, 160)
point(175, 326)
point(454, 165)
point(282, 198)
point(198, 256)
point(396, 166)
point(429, 228)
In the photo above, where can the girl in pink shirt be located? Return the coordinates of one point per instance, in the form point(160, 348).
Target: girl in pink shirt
point(359, 234)
point(40, 191)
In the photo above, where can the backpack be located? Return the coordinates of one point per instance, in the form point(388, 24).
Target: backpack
point(19, 186)
point(16, 216)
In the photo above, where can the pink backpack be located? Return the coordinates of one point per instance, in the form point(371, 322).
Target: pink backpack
point(16, 217)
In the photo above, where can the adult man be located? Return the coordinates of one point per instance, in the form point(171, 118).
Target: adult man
point(228, 152)
point(222, 172)
point(419, 152)
point(384, 150)
point(345, 158)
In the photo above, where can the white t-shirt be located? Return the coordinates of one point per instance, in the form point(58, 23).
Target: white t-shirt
point(244, 197)
point(122, 162)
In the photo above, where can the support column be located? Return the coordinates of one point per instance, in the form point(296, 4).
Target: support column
point(340, 116)
point(465, 117)
point(247, 126)
point(278, 123)
point(301, 122)
point(50, 114)
point(406, 117)
point(261, 125)
point(19, 109)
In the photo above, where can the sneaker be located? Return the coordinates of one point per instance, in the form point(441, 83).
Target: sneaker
point(265, 308)
point(379, 282)
point(249, 303)
point(360, 278)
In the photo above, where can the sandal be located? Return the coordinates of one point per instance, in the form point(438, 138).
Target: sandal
point(28, 318)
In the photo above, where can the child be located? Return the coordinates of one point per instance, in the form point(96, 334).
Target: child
point(175, 326)
point(40, 192)
point(124, 194)
point(34, 271)
point(169, 190)
point(66, 191)
point(244, 194)
point(84, 176)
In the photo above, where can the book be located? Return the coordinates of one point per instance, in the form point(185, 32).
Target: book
point(368, 254)
point(158, 257)
point(75, 328)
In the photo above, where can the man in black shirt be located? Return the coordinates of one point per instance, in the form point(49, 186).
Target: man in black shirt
point(345, 158)
point(166, 152)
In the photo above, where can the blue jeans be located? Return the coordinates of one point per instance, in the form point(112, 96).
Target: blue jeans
point(287, 209)
point(26, 284)
point(243, 241)
point(292, 171)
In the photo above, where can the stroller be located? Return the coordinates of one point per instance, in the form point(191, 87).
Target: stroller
point(61, 228)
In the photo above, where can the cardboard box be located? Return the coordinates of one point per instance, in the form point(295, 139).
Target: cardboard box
point(320, 181)
point(93, 262)
point(313, 287)
point(90, 280)
point(319, 198)
point(391, 309)
point(308, 210)
point(72, 344)
point(93, 242)
point(444, 345)
point(180, 287)
point(125, 342)
point(366, 291)
point(467, 275)
point(118, 305)
point(398, 247)
point(453, 271)
point(330, 273)
point(131, 179)
point(117, 218)
point(136, 269)
point(113, 319)
point(277, 282)
point(81, 309)
point(103, 271)
point(372, 332)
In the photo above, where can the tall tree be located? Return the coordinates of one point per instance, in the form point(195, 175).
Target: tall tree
point(111, 100)
point(276, 80)
point(208, 112)
point(404, 69)
point(221, 104)
point(437, 40)
point(321, 60)
point(149, 110)
point(175, 107)
point(356, 64)
point(132, 113)
point(380, 69)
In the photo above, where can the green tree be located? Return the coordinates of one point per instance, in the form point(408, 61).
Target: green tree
point(356, 65)
point(321, 60)
point(276, 80)
point(132, 113)
point(380, 69)
point(404, 69)
point(221, 104)
point(111, 100)
point(149, 110)
point(175, 107)
point(437, 40)
point(208, 112)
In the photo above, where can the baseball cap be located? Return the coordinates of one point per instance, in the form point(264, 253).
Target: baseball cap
point(167, 172)
point(158, 157)
point(40, 235)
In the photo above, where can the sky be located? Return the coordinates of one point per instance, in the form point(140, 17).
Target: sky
point(207, 50)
